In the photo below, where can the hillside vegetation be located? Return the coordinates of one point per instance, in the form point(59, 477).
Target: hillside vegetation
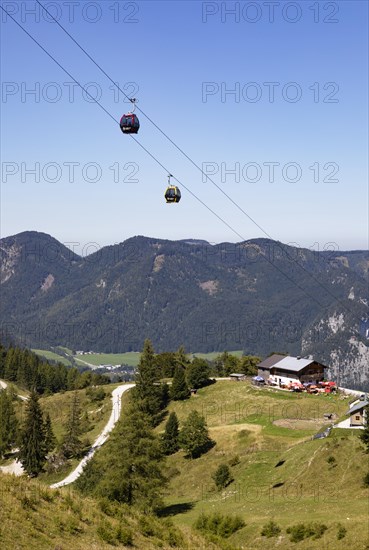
point(308, 488)
point(264, 436)
point(33, 517)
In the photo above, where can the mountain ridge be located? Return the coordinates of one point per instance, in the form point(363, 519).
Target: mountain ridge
point(257, 295)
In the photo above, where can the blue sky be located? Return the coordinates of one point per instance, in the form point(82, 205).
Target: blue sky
point(180, 59)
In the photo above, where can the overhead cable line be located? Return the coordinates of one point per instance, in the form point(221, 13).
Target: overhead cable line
point(193, 163)
point(168, 171)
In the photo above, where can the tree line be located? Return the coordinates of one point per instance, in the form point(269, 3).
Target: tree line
point(223, 365)
point(27, 370)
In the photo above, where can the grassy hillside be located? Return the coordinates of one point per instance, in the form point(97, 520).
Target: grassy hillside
point(279, 472)
point(33, 517)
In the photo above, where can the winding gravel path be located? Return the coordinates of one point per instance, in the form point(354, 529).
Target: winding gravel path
point(115, 414)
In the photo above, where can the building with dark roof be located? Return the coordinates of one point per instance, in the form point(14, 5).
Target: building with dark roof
point(282, 370)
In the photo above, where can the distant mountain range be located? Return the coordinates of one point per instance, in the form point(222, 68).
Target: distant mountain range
point(260, 296)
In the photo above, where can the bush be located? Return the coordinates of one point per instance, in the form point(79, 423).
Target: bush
point(148, 526)
point(331, 461)
point(318, 530)
point(173, 537)
point(218, 524)
point(28, 503)
point(301, 531)
point(297, 532)
point(341, 533)
point(270, 529)
point(234, 460)
point(222, 477)
point(366, 480)
point(106, 532)
point(108, 507)
point(96, 394)
point(124, 536)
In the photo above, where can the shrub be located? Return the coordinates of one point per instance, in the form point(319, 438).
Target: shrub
point(218, 524)
point(366, 480)
point(270, 529)
point(71, 525)
point(318, 530)
point(173, 537)
point(222, 477)
point(108, 507)
point(297, 532)
point(331, 461)
point(28, 503)
point(234, 460)
point(341, 533)
point(106, 532)
point(96, 394)
point(124, 536)
point(47, 495)
point(301, 531)
point(148, 526)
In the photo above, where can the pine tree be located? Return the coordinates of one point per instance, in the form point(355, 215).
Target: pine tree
point(194, 436)
point(222, 476)
point(32, 452)
point(180, 358)
point(10, 365)
point(135, 474)
point(169, 443)
point(179, 390)
point(149, 395)
point(72, 445)
point(8, 422)
point(50, 439)
point(197, 373)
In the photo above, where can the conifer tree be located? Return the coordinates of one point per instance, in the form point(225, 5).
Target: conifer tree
point(72, 445)
point(8, 422)
point(169, 443)
point(135, 474)
point(32, 452)
point(194, 436)
point(149, 395)
point(222, 476)
point(197, 373)
point(179, 389)
point(180, 357)
point(50, 439)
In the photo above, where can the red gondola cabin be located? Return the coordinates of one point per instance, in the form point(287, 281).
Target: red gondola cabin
point(129, 123)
